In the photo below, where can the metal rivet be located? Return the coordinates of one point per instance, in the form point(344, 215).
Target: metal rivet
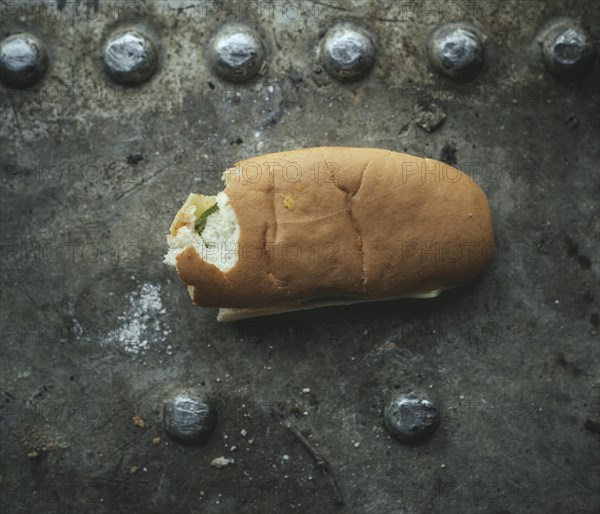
point(456, 50)
point(130, 57)
point(347, 52)
point(189, 418)
point(237, 53)
point(23, 60)
point(566, 47)
point(411, 418)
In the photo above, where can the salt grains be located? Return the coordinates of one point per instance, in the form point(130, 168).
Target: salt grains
point(141, 326)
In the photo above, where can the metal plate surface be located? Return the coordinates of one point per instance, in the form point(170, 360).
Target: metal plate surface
point(97, 332)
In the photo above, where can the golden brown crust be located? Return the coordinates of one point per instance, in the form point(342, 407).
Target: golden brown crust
point(345, 222)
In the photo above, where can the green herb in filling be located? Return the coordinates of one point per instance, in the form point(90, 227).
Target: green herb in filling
point(201, 221)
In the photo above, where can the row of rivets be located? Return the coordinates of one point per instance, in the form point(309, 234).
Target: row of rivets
point(237, 53)
point(410, 418)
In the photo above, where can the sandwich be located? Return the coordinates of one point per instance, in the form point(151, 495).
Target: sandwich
point(330, 226)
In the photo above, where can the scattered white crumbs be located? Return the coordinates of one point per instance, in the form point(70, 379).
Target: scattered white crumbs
point(221, 462)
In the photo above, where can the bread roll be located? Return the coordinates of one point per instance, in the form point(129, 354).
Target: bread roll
point(328, 226)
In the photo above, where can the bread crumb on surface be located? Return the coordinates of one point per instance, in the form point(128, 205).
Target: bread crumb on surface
point(221, 462)
point(138, 422)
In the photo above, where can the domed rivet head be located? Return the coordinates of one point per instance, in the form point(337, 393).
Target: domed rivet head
point(23, 60)
point(130, 57)
point(456, 50)
point(189, 418)
point(236, 53)
point(566, 47)
point(347, 52)
point(411, 418)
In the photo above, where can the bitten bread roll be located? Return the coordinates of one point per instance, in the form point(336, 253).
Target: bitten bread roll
point(329, 226)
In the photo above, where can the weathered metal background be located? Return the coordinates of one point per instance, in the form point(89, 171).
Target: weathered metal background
point(96, 330)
